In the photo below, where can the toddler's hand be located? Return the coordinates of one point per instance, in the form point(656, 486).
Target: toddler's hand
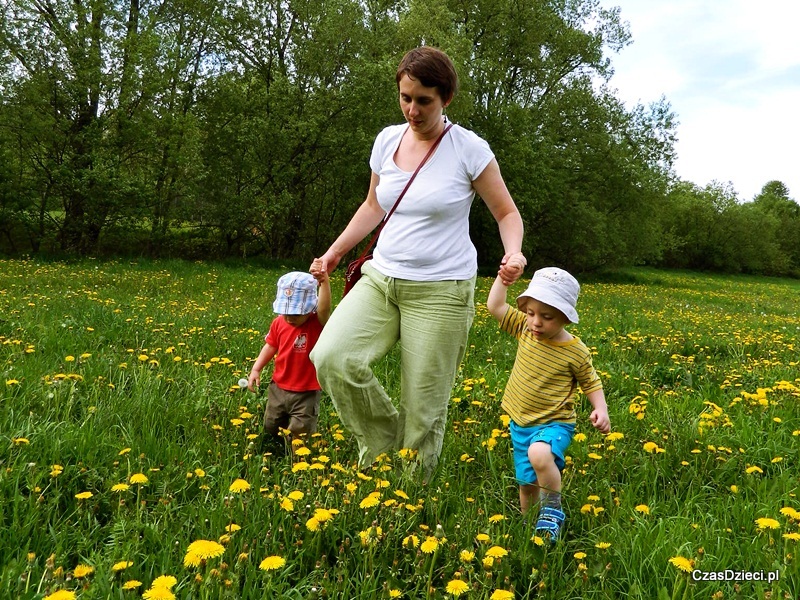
point(318, 270)
point(253, 381)
point(600, 420)
point(511, 268)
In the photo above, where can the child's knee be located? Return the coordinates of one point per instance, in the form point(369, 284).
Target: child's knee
point(540, 455)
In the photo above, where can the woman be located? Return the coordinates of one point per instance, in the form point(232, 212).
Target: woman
point(419, 287)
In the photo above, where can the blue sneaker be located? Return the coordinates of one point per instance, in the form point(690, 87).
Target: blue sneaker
point(550, 522)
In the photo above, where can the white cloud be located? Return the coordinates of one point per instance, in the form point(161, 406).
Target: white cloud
point(731, 71)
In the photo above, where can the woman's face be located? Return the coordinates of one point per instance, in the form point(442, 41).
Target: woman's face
point(422, 107)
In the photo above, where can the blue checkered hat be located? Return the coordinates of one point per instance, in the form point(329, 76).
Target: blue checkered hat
point(297, 294)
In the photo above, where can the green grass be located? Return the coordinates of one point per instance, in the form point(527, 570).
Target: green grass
point(111, 369)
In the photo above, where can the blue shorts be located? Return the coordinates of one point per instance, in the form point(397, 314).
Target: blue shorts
point(558, 435)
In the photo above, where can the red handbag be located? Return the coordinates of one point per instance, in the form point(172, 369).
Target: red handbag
point(353, 272)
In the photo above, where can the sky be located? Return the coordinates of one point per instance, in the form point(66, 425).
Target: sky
point(730, 70)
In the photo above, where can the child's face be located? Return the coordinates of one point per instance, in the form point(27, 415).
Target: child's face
point(296, 320)
point(544, 321)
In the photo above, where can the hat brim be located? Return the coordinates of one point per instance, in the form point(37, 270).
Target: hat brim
point(547, 296)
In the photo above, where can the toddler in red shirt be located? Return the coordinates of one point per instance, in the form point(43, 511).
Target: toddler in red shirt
point(294, 392)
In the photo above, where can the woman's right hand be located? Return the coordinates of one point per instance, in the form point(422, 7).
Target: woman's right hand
point(325, 263)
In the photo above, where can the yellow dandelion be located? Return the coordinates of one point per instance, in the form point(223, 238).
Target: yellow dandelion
point(496, 518)
point(206, 549)
point(579, 437)
point(401, 494)
point(466, 556)
point(602, 545)
point(120, 487)
point(614, 436)
point(766, 523)
point(642, 508)
point(753, 469)
point(502, 595)
point(82, 571)
point(302, 451)
point(395, 593)
point(411, 541)
point(429, 545)
point(488, 562)
point(650, 447)
point(158, 593)
point(372, 500)
point(312, 524)
point(735, 489)
point(20, 441)
point(788, 511)
point(272, 563)
point(239, 486)
point(579, 555)
point(296, 495)
point(456, 587)
point(200, 473)
point(322, 515)
point(232, 528)
point(164, 581)
point(538, 540)
point(287, 505)
point(121, 566)
point(192, 560)
point(482, 538)
point(794, 536)
point(84, 495)
point(131, 584)
point(301, 466)
point(61, 595)
point(139, 478)
point(682, 563)
point(497, 552)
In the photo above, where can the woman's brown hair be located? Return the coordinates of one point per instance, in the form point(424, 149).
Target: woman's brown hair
point(432, 68)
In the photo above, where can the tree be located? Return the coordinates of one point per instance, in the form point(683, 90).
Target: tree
point(774, 200)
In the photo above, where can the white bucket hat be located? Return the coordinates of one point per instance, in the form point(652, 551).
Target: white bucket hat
point(297, 294)
point(555, 287)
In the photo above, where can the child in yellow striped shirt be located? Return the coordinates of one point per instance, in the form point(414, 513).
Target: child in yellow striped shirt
point(540, 394)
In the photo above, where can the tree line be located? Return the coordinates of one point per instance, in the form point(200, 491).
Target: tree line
point(204, 130)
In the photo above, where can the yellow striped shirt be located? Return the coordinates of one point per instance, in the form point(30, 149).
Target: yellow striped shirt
point(544, 380)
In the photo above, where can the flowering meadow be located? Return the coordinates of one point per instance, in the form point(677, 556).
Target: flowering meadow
point(132, 465)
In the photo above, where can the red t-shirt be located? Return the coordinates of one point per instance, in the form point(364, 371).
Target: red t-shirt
point(293, 370)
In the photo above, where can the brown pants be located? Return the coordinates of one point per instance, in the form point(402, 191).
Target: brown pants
point(296, 411)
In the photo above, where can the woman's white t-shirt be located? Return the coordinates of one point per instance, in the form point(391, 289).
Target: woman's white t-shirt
point(427, 238)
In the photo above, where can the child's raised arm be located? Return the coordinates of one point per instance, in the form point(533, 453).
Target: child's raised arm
point(496, 303)
point(324, 293)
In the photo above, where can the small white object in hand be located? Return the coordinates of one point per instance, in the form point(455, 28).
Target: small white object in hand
point(243, 383)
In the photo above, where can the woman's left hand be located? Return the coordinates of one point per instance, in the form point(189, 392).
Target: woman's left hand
point(511, 267)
